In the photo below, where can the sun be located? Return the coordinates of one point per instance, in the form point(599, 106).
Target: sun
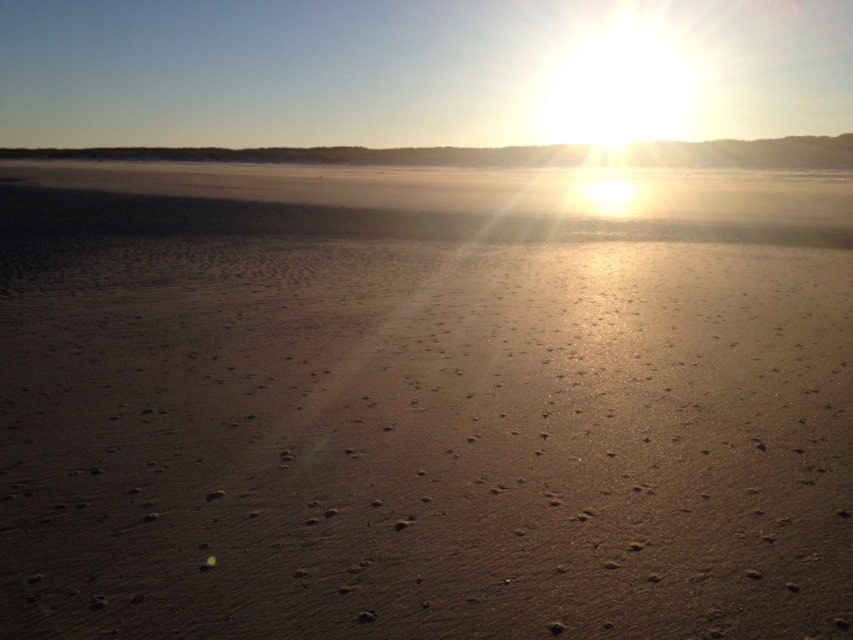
point(627, 83)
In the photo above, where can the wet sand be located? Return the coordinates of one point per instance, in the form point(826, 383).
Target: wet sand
point(356, 431)
point(711, 197)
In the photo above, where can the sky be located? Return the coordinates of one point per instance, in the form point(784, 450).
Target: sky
point(420, 73)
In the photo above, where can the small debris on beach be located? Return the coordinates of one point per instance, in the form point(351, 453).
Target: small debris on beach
point(367, 617)
point(215, 495)
point(556, 628)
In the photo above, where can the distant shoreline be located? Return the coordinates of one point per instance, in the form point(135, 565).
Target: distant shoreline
point(794, 152)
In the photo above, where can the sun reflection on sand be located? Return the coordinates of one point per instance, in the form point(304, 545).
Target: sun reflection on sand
point(610, 197)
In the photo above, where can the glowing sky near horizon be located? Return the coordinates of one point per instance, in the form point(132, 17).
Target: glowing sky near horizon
point(397, 73)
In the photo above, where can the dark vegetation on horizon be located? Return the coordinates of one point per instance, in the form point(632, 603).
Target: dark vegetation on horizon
point(794, 152)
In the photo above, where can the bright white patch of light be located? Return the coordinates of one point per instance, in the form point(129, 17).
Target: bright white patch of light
point(628, 83)
point(610, 197)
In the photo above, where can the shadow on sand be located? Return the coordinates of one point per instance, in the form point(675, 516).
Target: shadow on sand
point(34, 212)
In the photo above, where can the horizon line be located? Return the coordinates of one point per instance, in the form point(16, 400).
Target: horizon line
point(608, 146)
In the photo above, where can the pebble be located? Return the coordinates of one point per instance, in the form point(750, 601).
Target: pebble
point(556, 628)
point(366, 617)
point(401, 524)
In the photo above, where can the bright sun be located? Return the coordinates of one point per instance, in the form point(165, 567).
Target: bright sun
point(627, 84)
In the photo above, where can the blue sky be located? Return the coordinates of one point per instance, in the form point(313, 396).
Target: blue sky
point(414, 73)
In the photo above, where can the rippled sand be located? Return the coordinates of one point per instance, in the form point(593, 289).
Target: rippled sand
point(334, 436)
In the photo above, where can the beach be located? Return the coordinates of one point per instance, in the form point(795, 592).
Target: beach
point(423, 405)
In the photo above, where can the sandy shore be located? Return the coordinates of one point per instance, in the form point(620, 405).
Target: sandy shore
point(357, 435)
point(473, 207)
point(722, 197)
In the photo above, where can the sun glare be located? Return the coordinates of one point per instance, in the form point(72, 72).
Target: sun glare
point(628, 83)
point(610, 197)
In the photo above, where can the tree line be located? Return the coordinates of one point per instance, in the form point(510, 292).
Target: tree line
point(793, 152)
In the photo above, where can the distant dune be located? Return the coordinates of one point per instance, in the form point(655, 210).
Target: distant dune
point(793, 152)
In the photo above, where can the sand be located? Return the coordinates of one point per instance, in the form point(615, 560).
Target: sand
point(745, 198)
point(357, 434)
